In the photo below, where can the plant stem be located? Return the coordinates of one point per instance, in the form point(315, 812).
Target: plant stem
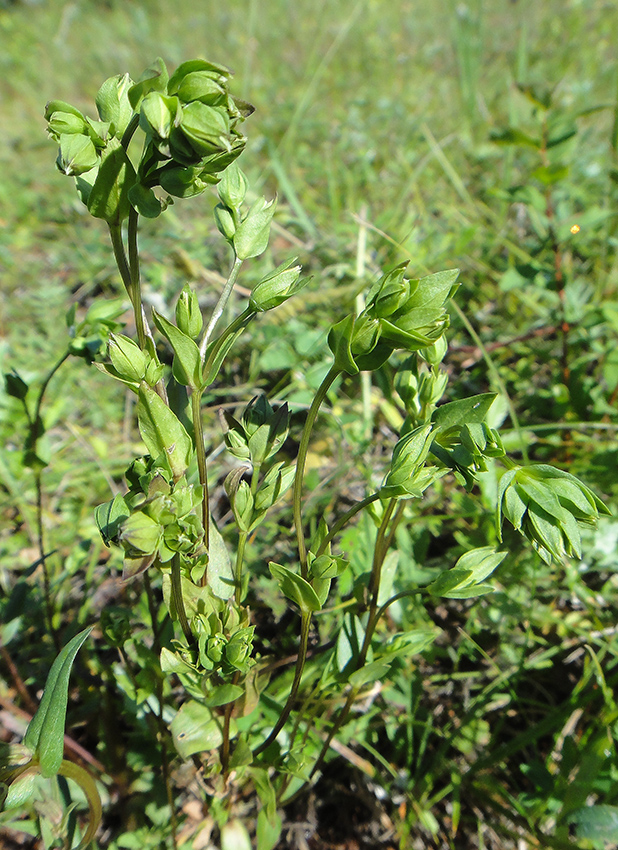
point(220, 306)
point(178, 601)
point(343, 520)
point(300, 664)
point(240, 552)
point(300, 465)
point(379, 553)
point(302, 550)
point(136, 292)
point(200, 451)
point(35, 427)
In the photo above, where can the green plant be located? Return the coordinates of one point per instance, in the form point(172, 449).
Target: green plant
point(246, 719)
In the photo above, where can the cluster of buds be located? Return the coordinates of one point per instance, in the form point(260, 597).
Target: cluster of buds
point(400, 314)
point(422, 388)
point(261, 433)
point(155, 520)
point(191, 126)
point(547, 506)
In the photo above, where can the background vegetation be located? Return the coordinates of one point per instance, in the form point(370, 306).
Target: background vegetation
point(472, 135)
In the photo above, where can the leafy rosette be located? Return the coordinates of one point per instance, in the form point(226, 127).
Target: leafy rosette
point(547, 506)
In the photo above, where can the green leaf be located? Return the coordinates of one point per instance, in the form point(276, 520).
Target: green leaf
point(45, 732)
point(187, 365)
point(596, 823)
point(513, 136)
point(109, 196)
point(195, 730)
point(212, 367)
point(369, 673)
point(145, 201)
point(110, 516)
point(268, 831)
point(224, 694)
point(220, 575)
point(162, 431)
point(465, 411)
point(350, 641)
point(448, 580)
point(480, 562)
point(295, 588)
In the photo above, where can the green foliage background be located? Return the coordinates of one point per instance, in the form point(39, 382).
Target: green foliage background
point(377, 112)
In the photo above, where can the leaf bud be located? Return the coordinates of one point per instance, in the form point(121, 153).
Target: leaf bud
point(188, 314)
point(128, 359)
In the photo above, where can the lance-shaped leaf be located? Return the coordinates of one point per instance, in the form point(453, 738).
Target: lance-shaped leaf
point(162, 431)
point(219, 574)
point(45, 732)
point(187, 365)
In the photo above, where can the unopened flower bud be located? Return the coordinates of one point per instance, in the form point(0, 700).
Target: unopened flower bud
point(276, 287)
point(224, 221)
point(188, 314)
point(232, 187)
point(127, 358)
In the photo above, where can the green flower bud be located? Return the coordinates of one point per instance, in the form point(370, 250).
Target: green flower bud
point(128, 359)
point(251, 237)
point(232, 187)
point(77, 155)
point(140, 534)
point(202, 86)
point(224, 219)
point(235, 438)
point(276, 287)
point(207, 128)
point(365, 335)
point(188, 314)
point(436, 353)
point(113, 102)
point(215, 646)
point(239, 647)
point(66, 123)
point(154, 372)
point(159, 115)
point(392, 293)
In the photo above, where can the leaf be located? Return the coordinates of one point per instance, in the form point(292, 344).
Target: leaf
point(145, 201)
point(481, 562)
point(195, 730)
point(219, 572)
point(109, 196)
point(448, 580)
point(369, 673)
point(513, 136)
point(224, 694)
point(596, 823)
point(465, 411)
point(220, 349)
point(268, 831)
point(187, 364)
point(295, 588)
point(349, 642)
point(110, 516)
point(45, 732)
point(162, 431)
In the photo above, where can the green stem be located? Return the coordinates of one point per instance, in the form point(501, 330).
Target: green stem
point(300, 664)
point(178, 601)
point(240, 553)
point(200, 451)
point(85, 781)
point(343, 520)
point(300, 465)
point(220, 306)
point(35, 427)
point(136, 292)
point(128, 133)
point(379, 553)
